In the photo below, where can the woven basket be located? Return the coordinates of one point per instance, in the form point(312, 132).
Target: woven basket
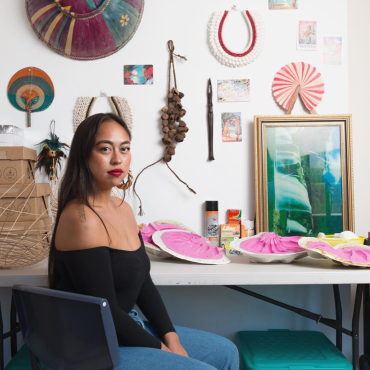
point(20, 250)
point(23, 243)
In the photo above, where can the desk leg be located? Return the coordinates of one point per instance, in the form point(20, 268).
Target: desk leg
point(13, 329)
point(1, 340)
point(355, 327)
point(338, 316)
point(366, 319)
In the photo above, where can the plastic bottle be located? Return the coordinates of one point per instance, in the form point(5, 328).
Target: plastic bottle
point(212, 223)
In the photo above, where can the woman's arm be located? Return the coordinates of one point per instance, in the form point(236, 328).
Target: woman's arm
point(91, 273)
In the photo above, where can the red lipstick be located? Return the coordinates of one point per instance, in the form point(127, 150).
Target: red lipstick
point(116, 172)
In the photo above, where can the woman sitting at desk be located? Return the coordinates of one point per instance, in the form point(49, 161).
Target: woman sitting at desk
point(97, 250)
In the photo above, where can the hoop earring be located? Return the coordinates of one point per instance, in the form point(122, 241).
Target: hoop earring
point(125, 185)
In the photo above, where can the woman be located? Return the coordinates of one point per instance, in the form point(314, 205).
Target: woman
point(97, 250)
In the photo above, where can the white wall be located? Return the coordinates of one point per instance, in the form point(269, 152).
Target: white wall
point(230, 178)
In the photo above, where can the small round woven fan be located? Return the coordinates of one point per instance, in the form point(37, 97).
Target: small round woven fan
point(298, 78)
point(30, 90)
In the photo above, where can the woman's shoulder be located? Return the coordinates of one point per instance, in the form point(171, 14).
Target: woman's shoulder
point(79, 227)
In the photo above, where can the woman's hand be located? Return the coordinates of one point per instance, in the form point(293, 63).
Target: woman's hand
point(165, 348)
point(172, 342)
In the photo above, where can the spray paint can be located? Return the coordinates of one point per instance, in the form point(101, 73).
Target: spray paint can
point(212, 223)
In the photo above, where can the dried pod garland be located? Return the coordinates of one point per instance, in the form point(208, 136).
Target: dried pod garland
point(174, 127)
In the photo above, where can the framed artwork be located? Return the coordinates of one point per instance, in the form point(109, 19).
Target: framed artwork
point(304, 175)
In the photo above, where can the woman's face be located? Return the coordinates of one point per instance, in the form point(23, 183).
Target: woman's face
point(110, 157)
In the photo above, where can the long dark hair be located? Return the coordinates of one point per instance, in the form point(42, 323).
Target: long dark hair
point(78, 181)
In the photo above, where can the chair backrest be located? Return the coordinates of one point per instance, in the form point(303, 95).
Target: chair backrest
point(67, 331)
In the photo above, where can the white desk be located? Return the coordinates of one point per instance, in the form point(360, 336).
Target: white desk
point(173, 272)
point(239, 272)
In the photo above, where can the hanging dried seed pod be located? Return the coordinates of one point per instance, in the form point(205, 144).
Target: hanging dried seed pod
point(167, 158)
point(165, 129)
point(181, 129)
point(186, 129)
point(171, 151)
point(164, 109)
point(181, 95)
point(164, 116)
point(182, 112)
point(179, 138)
point(170, 95)
point(171, 135)
point(182, 124)
point(175, 91)
point(165, 123)
point(176, 99)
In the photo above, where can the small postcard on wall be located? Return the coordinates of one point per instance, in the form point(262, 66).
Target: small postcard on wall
point(283, 4)
point(307, 35)
point(138, 74)
point(233, 90)
point(332, 50)
point(231, 126)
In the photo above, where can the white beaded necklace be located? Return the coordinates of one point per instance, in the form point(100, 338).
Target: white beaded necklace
point(217, 45)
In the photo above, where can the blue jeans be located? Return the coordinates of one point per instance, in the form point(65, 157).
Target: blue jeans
point(207, 351)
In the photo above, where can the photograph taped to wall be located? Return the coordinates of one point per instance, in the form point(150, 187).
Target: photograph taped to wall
point(233, 90)
point(332, 50)
point(304, 174)
point(307, 35)
point(138, 74)
point(231, 126)
point(283, 4)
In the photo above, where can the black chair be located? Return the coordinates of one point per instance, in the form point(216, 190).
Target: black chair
point(66, 331)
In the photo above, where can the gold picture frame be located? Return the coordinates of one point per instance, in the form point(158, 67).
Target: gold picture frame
point(304, 174)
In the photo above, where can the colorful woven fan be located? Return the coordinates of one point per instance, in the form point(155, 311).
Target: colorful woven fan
point(30, 90)
point(85, 29)
point(301, 76)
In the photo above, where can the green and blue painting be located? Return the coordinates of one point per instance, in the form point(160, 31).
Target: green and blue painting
point(304, 179)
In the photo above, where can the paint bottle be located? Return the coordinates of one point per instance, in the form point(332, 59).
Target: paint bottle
point(211, 231)
point(367, 241)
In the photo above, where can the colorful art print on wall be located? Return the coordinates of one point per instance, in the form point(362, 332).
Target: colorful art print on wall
point(138, 74)
point(231, 126)
point(304, 174)
point(233, 90)
point(307, 35)
point(283, 4)
point(85, 29)
point(332, 50)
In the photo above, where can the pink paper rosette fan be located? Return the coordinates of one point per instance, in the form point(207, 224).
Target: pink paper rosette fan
point(298, 75)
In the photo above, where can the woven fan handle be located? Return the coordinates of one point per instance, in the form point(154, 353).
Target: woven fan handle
point(294, 99)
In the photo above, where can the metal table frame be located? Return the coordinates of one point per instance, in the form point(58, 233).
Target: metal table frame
point(362, 297)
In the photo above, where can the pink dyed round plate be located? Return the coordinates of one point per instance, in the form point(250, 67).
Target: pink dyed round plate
point(147, 232)
point(349, 254)
point(190, 247)
point(269, 247)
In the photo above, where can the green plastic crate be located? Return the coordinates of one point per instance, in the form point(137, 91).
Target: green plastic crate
point(21, 361)
point(293, 350)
